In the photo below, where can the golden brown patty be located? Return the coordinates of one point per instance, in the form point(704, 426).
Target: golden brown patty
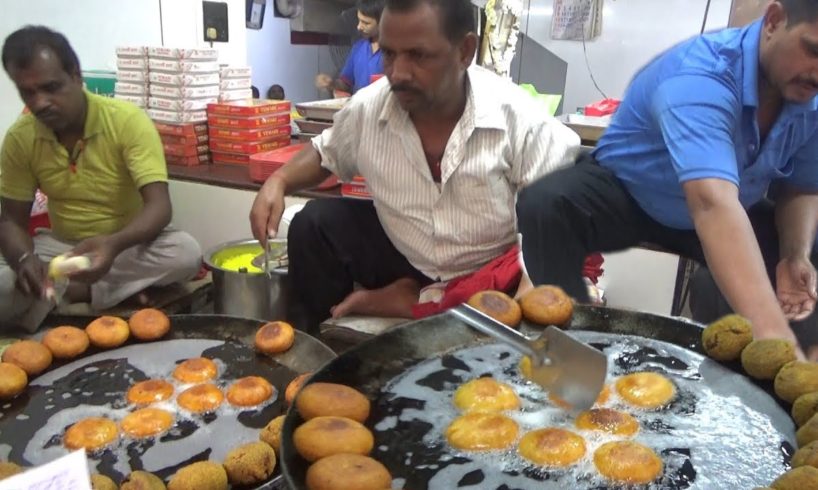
point(796, 378)
point(30, 356)
point(66, 342)
point(108, 332)
point(628, 462)
point(142, 480)
point(204, 475)
point(499, 306)
point(482, 431)
point(201, 398)
point(102, 482)
point(13, 380)
point(724, 339)
point(249, 391)
point(325, 436)
point(486, 395)
point(547, 305)
point(608, 420)
point(322, 399)
point(646, 389)
point(147, 422)
point(808, 432)
point(806, 456)
point(348, 472)
point(250, 464)
point(149, 324)
point(292, 388)
point(196, 370)
point(762, 359)
point(275, 337)
point(150, 391)
point(91, 434)
point(271, 434)
point(804, 408)
point(801, 478)
point(552, 447)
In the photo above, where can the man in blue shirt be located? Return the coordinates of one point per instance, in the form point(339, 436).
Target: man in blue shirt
point(364, 60)
point(703, 131)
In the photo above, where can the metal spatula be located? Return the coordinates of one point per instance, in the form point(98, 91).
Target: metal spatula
point(270, 258)
point(561, 364)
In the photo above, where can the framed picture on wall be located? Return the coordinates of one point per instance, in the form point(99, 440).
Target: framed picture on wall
point(742, 12)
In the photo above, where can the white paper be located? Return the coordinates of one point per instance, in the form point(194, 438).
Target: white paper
point(67, 473)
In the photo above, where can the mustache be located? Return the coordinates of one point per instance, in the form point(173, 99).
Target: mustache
point(45, 113)
point(400, 87)
point(808, 81)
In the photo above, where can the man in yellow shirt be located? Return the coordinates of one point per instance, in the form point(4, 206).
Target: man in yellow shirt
point(100, 163)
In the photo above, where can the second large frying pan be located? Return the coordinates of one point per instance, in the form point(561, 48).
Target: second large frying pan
point(370, 366)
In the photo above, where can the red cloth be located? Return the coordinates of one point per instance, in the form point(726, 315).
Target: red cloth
point(501, 274)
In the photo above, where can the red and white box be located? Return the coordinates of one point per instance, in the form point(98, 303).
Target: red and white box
point(179, 92)
point(253, 107)
point(184, 150)
point(230, 158)
point(132, 76)
point(180, 104)
point(205, 54)
point(356, 188)
point(182, 66)
point(187, 140)
point(184, 79)
point(187, 130)
point(192, 161)
point(257, 122)
point(249, 148)
point(235, 72)
point(177, 117)
point(249, 135)
point(137, 100)
point(262, 165)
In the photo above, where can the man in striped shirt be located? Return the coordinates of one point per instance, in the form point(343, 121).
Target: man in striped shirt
point(444, 147)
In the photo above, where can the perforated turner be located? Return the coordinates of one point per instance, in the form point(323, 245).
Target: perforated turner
point(561, 364)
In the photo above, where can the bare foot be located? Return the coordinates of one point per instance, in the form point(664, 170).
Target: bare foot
point(395, 300)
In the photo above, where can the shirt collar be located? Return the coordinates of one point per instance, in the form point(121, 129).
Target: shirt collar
point(93, 120)
point(750, 47)
point(486, 114)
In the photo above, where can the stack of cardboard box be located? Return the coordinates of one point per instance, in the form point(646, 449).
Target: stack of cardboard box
point(235, 83)
point(182, 83)
point(242, 128)
point(132, 75)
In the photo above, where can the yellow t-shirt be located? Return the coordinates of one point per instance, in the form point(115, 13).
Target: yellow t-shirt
point(120, 153)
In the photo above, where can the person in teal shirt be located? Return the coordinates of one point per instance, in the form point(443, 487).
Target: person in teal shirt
point(365, 59)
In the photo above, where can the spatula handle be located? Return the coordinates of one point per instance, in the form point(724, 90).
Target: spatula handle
point(491, 327)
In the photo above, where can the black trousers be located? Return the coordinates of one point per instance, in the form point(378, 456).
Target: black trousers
point(584, 208)
point(334, 244)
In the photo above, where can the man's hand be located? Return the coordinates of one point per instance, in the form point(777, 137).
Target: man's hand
point(796, 288)
point(323, 81)
point(32, 276)
point(268, 207)
point(102, 251)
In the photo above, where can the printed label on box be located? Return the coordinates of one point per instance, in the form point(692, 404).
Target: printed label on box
point(174, 66)
point(184, 53)
point(184, 79)
point(252, 107)
point(230, 158)
point(181, 129)
point(132, 51)
point(180, 104)
point(236, 72)
point(235, 84)
point(194, 140)
point(133, 76)
point(132, 63)
point(130, 88)
point(191, 161)
point(249, 135)
point(177, 116)
point(267, 121)
point(184, 150)
point(228, 146)
point(139, 101)
point(228, 95)
point(171, 91)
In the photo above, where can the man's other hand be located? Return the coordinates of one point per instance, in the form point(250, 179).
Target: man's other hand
point(268, 207)
point(32, 276)
point(102, 251)
point(796, 288)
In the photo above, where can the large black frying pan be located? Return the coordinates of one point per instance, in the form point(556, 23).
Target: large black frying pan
point(22, 417)
point(372, 364)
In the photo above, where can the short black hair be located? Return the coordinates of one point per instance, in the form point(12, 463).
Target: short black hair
point(22, 45)
point(799, 11)
point(276, 92)
point(456, 16)
point(371, 8)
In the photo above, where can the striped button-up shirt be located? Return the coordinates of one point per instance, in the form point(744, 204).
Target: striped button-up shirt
point(502, 142)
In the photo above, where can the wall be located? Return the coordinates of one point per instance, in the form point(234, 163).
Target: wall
point(633, 32)
point(227, 212)
point(100, 25)
point(276, 61)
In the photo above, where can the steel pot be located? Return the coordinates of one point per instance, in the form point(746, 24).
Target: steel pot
point(246, 292)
